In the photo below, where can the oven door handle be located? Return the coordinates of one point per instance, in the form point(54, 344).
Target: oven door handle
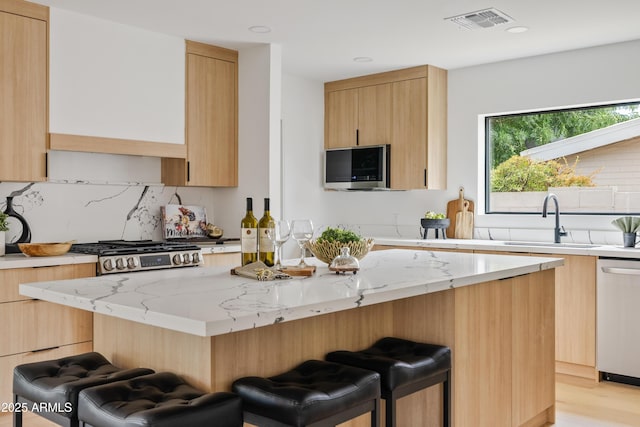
point(619, 270)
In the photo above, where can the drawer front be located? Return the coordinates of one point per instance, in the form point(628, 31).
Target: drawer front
point(7, 364)
point(11, 278)
point(231, 259)
point(36, 325)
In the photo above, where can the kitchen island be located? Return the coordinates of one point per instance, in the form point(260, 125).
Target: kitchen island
point(496, 313)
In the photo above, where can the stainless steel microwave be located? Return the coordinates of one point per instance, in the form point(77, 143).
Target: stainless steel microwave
point(357, 168)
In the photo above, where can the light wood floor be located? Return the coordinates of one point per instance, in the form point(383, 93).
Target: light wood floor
point(579, 403)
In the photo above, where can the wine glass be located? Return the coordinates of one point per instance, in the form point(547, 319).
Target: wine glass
point(279, 234)
point(302, 232)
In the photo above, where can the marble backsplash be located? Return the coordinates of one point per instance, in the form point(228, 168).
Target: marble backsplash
point(91, 212)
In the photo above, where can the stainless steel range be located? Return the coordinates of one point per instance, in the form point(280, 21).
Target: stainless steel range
point(123, 256)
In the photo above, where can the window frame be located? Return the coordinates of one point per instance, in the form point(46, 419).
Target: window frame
point(488, 153)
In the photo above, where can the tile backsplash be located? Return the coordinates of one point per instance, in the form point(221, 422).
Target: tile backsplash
point(90, 212)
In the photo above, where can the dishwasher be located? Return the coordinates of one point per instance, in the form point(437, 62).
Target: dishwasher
point(618, 320)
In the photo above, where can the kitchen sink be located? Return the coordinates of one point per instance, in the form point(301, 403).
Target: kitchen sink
point(551, 245)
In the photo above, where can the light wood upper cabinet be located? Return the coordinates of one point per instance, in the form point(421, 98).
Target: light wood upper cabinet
point(211, 120)
point(23, 85)
point(409, 148)
point(341, 118)
point(406, 109)
point(360, 116)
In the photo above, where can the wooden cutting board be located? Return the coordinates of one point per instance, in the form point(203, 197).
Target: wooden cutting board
point(455, 206)
point(464, 223)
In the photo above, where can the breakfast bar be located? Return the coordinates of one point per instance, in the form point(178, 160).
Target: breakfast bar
point(495, 312)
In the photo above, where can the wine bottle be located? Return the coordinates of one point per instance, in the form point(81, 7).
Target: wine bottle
point(266, 229)
point(249, 235)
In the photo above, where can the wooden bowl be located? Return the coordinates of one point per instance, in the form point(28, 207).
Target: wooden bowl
point(45, 249)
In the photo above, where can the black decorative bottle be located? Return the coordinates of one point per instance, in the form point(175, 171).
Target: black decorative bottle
point(25, 237)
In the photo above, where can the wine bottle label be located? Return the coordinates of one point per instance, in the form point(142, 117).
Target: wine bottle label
point(266, 244)
point(249, 240)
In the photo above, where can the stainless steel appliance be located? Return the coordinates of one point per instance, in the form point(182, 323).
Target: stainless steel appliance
point(122, 256)
point(357, 168)
point(618, 319)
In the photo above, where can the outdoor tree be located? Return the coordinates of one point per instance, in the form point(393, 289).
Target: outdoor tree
point(510, 135)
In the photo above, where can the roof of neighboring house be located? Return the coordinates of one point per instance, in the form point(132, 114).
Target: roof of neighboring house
point(586, 141)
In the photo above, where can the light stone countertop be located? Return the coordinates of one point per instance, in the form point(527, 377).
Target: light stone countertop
point(208, 301)
point(22, 261)
point(567, 248)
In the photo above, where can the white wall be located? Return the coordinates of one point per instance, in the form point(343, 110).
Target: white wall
point(594, 75)
point(579, 77)
point(114, 80)
point(259, 92)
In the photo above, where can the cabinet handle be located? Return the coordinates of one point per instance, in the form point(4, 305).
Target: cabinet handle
point(188, 171)
point(46, 165)
point(618, 270)
point(425, 177)
point(45, 349)
point(357, 136)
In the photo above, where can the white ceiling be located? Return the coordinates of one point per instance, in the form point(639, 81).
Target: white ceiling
point(320, 38)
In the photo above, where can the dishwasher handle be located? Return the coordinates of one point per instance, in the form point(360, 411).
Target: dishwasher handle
point(619, 270)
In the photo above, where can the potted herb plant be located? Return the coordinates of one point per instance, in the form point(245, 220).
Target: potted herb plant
point(4, 226)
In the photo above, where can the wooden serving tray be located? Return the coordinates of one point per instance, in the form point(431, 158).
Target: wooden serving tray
point(297, 271)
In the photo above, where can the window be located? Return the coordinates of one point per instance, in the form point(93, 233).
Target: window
point(589, 157)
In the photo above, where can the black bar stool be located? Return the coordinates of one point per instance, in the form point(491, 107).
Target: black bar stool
point(316, 393)
point(160, 400)
point(405, 367)
point(54, 385)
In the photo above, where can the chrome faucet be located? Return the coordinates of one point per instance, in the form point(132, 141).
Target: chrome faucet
point(558, 231)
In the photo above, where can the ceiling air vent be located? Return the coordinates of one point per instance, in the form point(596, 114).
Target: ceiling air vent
point(485, 18)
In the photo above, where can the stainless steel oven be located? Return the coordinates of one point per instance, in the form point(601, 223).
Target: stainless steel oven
point(122, 256)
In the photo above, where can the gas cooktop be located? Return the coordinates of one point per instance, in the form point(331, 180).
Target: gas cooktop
point(125, 247)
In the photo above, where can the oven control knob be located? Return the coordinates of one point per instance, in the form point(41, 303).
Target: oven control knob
point(120, 264)
point(195, 258)
point(108, 264)
point(132, 263)
point(186, 258)
point(177, 259)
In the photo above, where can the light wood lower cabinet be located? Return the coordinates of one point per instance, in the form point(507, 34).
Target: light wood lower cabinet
point(33, 330)
point(7, 364)
point(575, 301)
point(230, 259)
point(576, 316)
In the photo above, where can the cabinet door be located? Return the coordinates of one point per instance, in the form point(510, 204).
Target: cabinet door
point(23, 85)
point(341, 118)
point(409, 134)
point(576, 310)
point(374, 114)
point(211, 122)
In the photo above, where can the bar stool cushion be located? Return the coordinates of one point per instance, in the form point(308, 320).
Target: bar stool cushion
point(310, 392)
point(398, 361)
point(158, 400)
point(59, 381)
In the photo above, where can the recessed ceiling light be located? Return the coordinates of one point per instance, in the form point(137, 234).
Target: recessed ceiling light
point(362, 59)
point(516, 30)
point(261, 29)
